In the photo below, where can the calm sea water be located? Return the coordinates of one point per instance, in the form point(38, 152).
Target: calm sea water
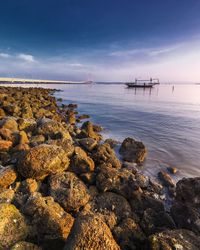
point(166, 119)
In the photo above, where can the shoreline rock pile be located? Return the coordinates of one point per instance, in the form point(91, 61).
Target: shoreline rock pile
point(63, 187)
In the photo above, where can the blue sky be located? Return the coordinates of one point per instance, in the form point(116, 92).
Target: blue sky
point(110, 40)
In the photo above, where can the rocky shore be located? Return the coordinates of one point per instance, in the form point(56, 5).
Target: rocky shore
point(63, 187)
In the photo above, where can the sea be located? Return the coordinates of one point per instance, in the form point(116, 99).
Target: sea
point(165, 118)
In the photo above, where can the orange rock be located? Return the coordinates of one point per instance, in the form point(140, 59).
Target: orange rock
point(5, 145)
point(8, 175)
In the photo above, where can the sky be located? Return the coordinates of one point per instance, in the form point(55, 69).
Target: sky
point(106, 40)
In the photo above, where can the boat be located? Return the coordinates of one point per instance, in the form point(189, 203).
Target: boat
point(142, 83)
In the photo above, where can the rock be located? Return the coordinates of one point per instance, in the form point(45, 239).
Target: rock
point(186, 217)
point(174, 239)
point(87, 130)
point(8, 176)
point(140, 201)
point(81, 163)
point(142, 180)
point(129, 235)
point(66, 145)
point(2, 113)
point(83, 116)
point(120, 181)
point(6, 195)
point(89, 178)
point(37, 140)
point(8, 135)
point(5, 145)
point(166, 179)
point(29, 186)
point(153, 221)
point(97, 128)
point(172, 170)
point(115, 203)
point(27, 124)
point(71, 118)
point(105, 154)
point(52, 129)
point(69, 191)
point(113, 143)
point(88, 143)
point(188, 191)
point(43, 160)
point(9, 123)
point(23, 245)
point(51, 221)
point(90, 232)
point(133, 151)
point(23, 137)
point(12, 226)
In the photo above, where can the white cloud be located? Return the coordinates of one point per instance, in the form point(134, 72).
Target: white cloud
point(26, 57)
point(4, 55)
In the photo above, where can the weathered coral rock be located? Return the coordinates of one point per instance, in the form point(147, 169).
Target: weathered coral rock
point(27, 124)
point(51, 221)
point(120, 181)
point(66, 145)
point(43, 160)
point(52, 129)
point(87, 130)
point(174, 239)
point(8, 176)
point(12, 226)
point(69, 191)
point(129, 235)
point(153, 221)
point(5, 145)
point(188, 191)
point(115, 203)
point(9, 123)
point(88, 143)
point(105, 154)
point(6, 195)
point(90, 232)
point(133, 151)
point(81, 162)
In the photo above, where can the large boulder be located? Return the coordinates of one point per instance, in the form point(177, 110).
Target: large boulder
point(52, 129)
point(69, 191)
point(112, 202)
point(121, 181)
point(90, 232)
point(43, 160)
point(133, 151)
point(105, 154)
point(27, 124)
point(5, 146)
point(8, 176)
point(81, 162)
point(174, 239)
point(188, 191)
point(186, 216)
point(185, 209)
point(49, 218)
point(13, 227)
point(153, 221)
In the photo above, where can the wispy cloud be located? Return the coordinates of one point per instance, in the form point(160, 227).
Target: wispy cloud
point(26, 57)
point(144, 51)
point(5, 55)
